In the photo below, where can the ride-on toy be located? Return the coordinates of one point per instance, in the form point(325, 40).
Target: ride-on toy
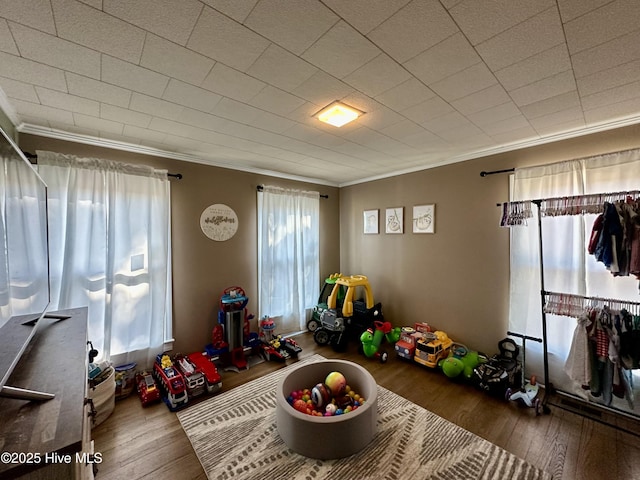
point(528, 393)
point(371, 339)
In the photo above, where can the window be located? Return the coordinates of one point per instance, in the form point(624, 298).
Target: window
point(288, 255)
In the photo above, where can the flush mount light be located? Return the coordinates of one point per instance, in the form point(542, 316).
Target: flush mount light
point(338, 114)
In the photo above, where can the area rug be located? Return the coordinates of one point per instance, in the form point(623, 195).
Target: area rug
point(234, 435)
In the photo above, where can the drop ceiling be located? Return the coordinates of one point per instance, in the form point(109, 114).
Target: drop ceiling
point(235, 83)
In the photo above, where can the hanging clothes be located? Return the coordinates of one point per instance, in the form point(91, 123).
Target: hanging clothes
point(578, 364)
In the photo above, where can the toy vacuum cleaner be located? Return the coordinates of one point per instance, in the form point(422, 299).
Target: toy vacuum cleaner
point(528, 393)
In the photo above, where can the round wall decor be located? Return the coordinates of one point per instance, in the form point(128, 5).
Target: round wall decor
point(219, 222)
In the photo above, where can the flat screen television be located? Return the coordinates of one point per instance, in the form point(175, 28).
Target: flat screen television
point(24, 261)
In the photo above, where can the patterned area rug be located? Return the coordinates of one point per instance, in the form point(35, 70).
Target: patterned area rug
point(235, 437)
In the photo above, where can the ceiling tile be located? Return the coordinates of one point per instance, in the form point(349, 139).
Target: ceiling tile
point(171, 19)
point(301, 132)
point(515, 44)
point(377, 11)
point(64, 101)
point(466, 82)
point(154, 106)
point(239, 11)
point(236, 111)
point(87, 26)
point(495, 114)
point(517, 135)
point(551, 105)
point(570, 9)
point(416, 27)
point(43, 112)
point(555, 129)
point(94, 3)
point(367, 78)
point(56, 52)
point(571, 116)
point(132, 77)
point(482, 100)
point(124, 115)
point(544, 64)
point(197, 118)
point(405, 95)
point(292, 25)
point(622, 93)
point(31, 72)
point(341, 51)
point(226, 41)
point(625, 109)
point(6, 39)
point(426, 111)
point(33, 13)
point(506, 125)
point(444, 59)
point(603, 24)
point(448, 121)
point(380, 118)
point(322, 89)
point(145, 135)
point(613, 77)
point(166, 57)
point(231, 83)
point(544, 89)
point(281, 68)
point(608, 55)
point(97, 90)
point(277, 101)
point(19, 90)
point(194, 97)
point(482, 19)
point(99, 124)
point(402, 129)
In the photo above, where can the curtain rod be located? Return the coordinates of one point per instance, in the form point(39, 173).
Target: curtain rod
point(34, 158)
point(484, 174)
point(260, 188)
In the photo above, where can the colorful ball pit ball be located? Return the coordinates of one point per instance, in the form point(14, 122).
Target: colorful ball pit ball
point(336, 383)
point(320, 395)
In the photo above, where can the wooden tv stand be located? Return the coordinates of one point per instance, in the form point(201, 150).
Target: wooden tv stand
point(51, 438)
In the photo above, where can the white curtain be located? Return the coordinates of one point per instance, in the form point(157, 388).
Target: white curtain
point(288, 255)
point(568, 268)
point(23, 240)
point(109, 237)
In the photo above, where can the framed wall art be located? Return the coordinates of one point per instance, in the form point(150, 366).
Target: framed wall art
point(371, 222)
point(424, 218)
point(394, 220)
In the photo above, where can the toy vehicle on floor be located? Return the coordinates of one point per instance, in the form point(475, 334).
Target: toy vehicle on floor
point(170, 381)
point(432, 348)
point(372, 339)
point(501, 372)
point(321, 306)
point(339, 324)
point(405, 347)
point(193, 377)
point(212, 379)
point(147, 389)
point(276, 347)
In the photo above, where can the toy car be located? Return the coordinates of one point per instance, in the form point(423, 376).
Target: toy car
point(212, 378)
point(147, 389)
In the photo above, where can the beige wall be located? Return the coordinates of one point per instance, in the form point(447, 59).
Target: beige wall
point(456, 279)
point(203, 268)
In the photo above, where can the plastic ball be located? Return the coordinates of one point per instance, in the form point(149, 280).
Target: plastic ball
point(336, 383)
point(320, 395)
point(330, 409)
point(300, 405)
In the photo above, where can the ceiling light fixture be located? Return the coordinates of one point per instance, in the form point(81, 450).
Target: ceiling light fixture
point(338, 114)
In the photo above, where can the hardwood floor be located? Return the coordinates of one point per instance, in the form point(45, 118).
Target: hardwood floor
point(149, 443)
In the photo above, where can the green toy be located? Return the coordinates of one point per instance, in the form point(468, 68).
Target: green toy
point(371, 339)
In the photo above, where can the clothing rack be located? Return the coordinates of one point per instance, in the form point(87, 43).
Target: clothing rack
point(571, 205)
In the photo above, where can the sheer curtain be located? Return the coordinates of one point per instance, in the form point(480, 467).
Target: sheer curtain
point(23, 241)
point(109, 237)
point(568, 268)
point(288, 255)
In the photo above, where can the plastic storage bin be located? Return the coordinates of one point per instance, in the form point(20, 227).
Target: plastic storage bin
point(125, 380)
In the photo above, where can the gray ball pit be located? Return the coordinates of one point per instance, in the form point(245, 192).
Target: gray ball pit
point(327, 437)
